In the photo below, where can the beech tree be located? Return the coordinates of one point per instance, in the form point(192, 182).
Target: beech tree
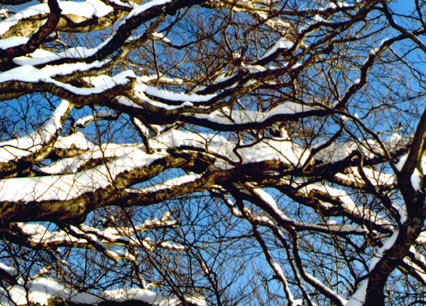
point(219, 152)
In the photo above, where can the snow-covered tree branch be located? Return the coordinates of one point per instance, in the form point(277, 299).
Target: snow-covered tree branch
point(220, 152)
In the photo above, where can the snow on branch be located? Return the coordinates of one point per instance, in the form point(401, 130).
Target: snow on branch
point(75, 12)
point(36, 141)
point(38, 234)
point(45, 290)
point(70, 186)
point(196, 102)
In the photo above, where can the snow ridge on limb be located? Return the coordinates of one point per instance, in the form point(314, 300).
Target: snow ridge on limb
point(269, 102)
point(46, 290)
point(21, 147)
point(38, 234)
point(35, 146)
point(75, 12)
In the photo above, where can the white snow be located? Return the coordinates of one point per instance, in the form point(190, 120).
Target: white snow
point(172, 246)
point(64, 69)
point(4, 13)
point(20, 147)
point(318, 18)
point(346, 201)
point(284, 219)
point(416, 180)
point(96, 8)
point(358, 297)
point(181, 180)
point(387, 244)
point(24, 73)
point(42, 289)
point(161, 37)
point(142, 92)
point(401, 162)
point(418, 257)
point(121, 3)
point(282, 43)
point(375, 176)
point(84, 121)
point(142, 127)
point(8, 269)
point(419, 271)
point(232, 117)
point(336, 4)
point(81, 122)
point(297, 302)
point(12, 42)
point(69, 186)
point(41, 56)
point(138, 9)
point(223, 77)
point(172, 96)
point(373, 51)
point(394, 140)
point(253, 68)
point(29, 73)
point(267, 149)
point(163, 79)
point(88, 8)
point(314, 280)
point(14, 19)
point(370, 148)
point(277, 268)
point(115, 236)
point(76, 140)
point(421, 239)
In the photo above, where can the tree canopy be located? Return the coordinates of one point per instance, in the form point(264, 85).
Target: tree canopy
point(220, 152)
